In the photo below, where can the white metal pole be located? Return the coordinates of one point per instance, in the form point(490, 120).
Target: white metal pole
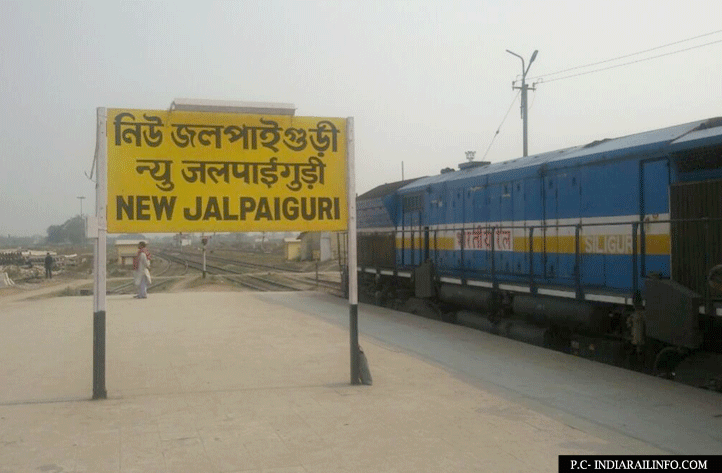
point(352, 258)
point(524, 112)
point(99, 258)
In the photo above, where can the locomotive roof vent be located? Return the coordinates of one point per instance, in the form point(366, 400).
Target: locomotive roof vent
point(473, 164)
point(711, 123)
point(595, 143)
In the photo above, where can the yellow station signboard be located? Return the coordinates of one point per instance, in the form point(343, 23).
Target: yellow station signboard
point(178, 171)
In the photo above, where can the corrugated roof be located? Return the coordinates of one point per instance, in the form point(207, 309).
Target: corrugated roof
point(386, 189)
point(128, 242)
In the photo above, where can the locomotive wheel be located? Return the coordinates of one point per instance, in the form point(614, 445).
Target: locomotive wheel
point(715, 277)
point(666, 361)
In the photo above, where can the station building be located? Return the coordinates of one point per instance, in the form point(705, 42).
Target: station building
point(126, 251)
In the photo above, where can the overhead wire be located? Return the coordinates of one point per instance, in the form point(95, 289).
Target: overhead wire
point(542, 80)
point(633, 54)
point(501, 124)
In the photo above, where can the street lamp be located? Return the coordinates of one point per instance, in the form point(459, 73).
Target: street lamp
point(524, 89)
point(80, 198)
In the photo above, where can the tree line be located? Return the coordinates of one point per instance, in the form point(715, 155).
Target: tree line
point(72, 231)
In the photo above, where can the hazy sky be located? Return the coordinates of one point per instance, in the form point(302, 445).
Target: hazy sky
point(425, 80)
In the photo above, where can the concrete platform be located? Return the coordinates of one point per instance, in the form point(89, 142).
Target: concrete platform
point(254, 382)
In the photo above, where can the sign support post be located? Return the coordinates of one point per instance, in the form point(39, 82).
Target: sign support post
point(210, 166)
point(352, 256)
point(99, 258)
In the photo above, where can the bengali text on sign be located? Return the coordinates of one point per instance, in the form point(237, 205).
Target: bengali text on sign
point(171, 171)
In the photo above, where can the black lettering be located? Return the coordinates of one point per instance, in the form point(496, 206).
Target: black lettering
point(264, 210)
point(290, 208)
point(276, 208)
point(226, 213)
point(142, 207)
point(212, 209)
point(121, 206)
point(163, 205)
point(336, 208)
point(324, 208)
point(247, 205)
point(197, 216)
point(308, 212)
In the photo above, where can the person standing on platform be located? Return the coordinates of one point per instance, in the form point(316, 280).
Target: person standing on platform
point(48, 266)
point(141, 265)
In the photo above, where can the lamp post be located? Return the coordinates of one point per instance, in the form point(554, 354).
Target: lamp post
point(80, 198)
point(524, 89)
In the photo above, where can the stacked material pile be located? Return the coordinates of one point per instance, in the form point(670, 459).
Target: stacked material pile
point(5, 280)
point(20, 273)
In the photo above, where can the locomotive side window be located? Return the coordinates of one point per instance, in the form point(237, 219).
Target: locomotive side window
point(412, 203)
point(699, 159)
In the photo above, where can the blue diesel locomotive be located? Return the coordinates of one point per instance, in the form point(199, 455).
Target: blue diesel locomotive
point(614, 238)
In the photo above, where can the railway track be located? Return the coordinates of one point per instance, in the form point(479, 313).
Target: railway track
point(252, 265)
point(196, 259)
point(160, 281)
point(320, 282)
point(192, 262)
point(246, 274)
point(259, 283)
